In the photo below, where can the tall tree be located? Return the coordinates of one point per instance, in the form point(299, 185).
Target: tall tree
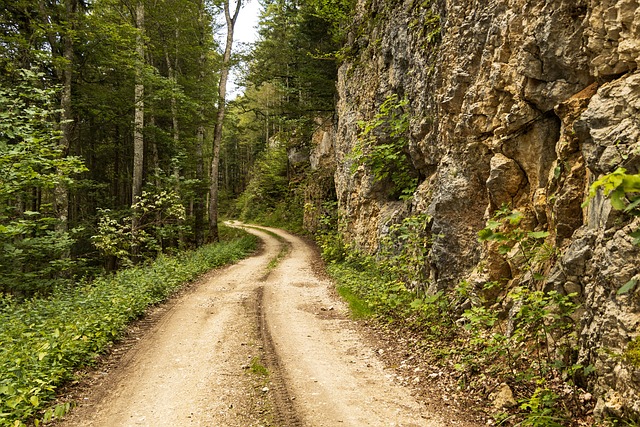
point(66, 123)
point(217, 134)
point(138, 137)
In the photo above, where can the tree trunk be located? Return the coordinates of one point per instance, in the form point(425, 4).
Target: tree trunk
point(200, 199)
point(64, 75)
point(62, 193)
point(138, 138)
point(199, 202)
point(217, 134)
point(174, 114)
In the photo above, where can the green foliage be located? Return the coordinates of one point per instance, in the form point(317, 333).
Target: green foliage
point(529, 246)
point(32, 166)
point(535, 342)
point(367, 287)
point(295, 55)
point(391, 285)
point(632, 353)
point(270, 198)
point(427, 25)
point(624, 192)
point(542, 410)
point(332, 247)
point(621, 188)
point(258, 368)
point(404, 250)
point(159, 219)
point(45, 339)
point(382, 148)
point(338, 14)
point(358, 307)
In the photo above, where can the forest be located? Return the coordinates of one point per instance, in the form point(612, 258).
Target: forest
point(469, 172)
point(109, 110)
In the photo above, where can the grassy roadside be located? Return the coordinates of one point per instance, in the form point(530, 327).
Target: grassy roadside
point(43, 340)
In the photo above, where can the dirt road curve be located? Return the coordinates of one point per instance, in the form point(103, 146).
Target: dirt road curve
point(199, 365)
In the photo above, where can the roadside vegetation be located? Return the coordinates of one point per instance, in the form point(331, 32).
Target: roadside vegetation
point(44, 340)
point(511, 331)
point(502, 333)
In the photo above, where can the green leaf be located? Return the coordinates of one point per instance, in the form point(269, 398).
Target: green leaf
point(618, 199)
point(538, 234)
point(485, 234)
point(627, 287)
point(13, 401)
point(34, 401)
point(493, 224)
point(514, 217)
point(538, 276)
point(633, 205)
point(417, 303)
point(504, 249)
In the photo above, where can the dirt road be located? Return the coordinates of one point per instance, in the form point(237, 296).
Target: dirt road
point(202, 363)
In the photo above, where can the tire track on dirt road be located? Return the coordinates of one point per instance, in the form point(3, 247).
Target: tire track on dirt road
point(191, 367)
point(333, 377)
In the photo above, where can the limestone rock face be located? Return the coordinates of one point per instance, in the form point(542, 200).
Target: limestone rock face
point(520, 102)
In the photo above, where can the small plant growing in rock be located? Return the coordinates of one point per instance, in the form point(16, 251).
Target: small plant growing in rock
point(535, 341)
point(624, 192)
point(382, 146)
point(530, 247)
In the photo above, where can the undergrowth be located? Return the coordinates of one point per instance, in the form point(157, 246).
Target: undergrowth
point(525, 337)
point(43, 340)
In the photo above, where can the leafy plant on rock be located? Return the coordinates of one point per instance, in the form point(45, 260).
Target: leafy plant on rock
point(624, 192)
point(526, 248)
point(382, 148)
point(538, 337)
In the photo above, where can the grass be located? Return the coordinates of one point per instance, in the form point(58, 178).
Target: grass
point(43, 341)
point(284, 249)
point(358, 306)
point(258, 368)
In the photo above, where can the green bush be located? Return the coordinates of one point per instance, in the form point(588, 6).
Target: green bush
point(42, 340)
point(382, 148)
point(34, 246)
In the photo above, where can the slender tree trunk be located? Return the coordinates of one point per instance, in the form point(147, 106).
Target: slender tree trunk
point(62, 193)
point(199, 202)
point(217, 134)
point(152, 151)
point(64, 74)
point(174, 101)
point(174, 114)
point(138, 138)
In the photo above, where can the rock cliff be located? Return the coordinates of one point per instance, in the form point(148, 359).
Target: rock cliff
point(518, 102)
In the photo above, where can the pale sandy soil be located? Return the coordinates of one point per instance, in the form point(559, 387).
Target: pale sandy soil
point(193, 365)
